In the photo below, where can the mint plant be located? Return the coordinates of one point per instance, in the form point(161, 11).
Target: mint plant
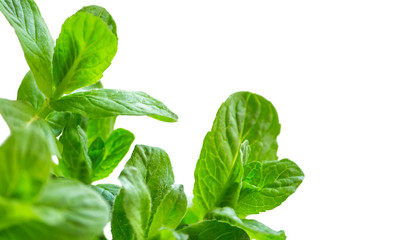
point(63, 111)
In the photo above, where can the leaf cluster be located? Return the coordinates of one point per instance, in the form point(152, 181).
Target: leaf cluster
point(63, 111)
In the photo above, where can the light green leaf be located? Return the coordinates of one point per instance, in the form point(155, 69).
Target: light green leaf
point(75, 162)
point(156, 169)
point(65, 210)
point(116, 147)
point(100, 128)
point(57, 121)
point(103, 14)
point(108, 103)
point(169, 234)
point(136, 203)
point(84, 50)
point(19, 116)
point(35, 38)
point(25, 164)
point(207, 230)
point(29, 92)
point(255, 229)
point(108, 191)
point(278, 180)
point(170, 212)
point(244, 116)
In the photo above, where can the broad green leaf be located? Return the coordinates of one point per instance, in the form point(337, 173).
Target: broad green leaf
point(170, 212)
point(57, 121)
point(213, 229)
point(169, 234)
point(84, 50)
point(100, 103)
point(116, 147)
point(255, 229)
point(156, 169)
point(29, 92)
point(25, 164)
point(19, 116)
point(277, 181)
point(75, 162)
point(103, 14)
point(65, 210)
point(108, 191)
point(13, 212)
point(35, 38)
point(134, 200)
point(100, 128)
point(253, 173)
point(243, 117)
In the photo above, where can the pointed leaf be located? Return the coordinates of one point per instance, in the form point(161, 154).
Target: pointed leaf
point(35, 38)
point(100, 103)
point(84, 50)
point(279, 179)
point(116, 147)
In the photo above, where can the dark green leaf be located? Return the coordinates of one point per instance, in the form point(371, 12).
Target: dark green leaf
point(209, 230)
point(35, 38)
point(25, 163)
point(103, 14)
point(278, 180)
point(75, 162)
point(57, 121)
point(170, 212)
point(19, 116)
point(84, 50)
point(116, 147)
point(29, 92)
point(255, 229)
point(121, 228)
point(100, 103)
point(244, 116)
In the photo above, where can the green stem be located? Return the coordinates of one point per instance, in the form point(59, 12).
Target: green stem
point(45, 109)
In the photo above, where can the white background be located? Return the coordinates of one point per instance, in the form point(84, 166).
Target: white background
point(336, 71)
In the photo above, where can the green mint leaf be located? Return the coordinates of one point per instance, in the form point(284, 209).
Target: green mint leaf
point(255, 229)
point(109, 102)
point(212, 229)
point(19, 116)
point(108, 191)
point(57, 121)
point(96, 151)
point(103, 14)
point(170, 211)
point(132, 212)
point(155, 167)
point(245, 118)
point(65, 210)
point(116, 147)
point(29, 92)
point(35, 39)
point(84, 50)
point(25, 163)
point(267, 185)
point(75, 162)
point(100, 128)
